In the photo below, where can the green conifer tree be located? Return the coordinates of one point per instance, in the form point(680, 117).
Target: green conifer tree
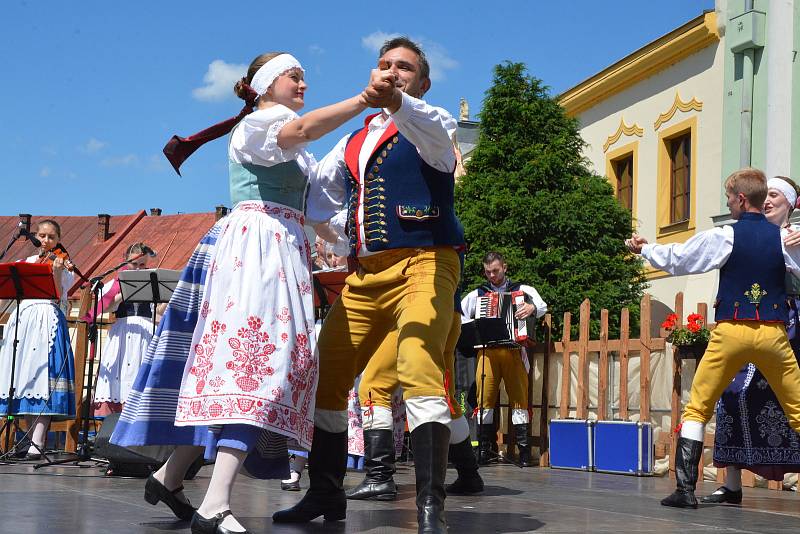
point(529, 194)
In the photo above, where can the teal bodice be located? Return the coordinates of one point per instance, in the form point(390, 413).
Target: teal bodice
point(283, 183)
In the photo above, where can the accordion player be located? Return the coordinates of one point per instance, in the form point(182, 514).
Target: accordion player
point(504, 305)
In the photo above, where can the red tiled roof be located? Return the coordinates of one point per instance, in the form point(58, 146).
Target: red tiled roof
point(173, 237)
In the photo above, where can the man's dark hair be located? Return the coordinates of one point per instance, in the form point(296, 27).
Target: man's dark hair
point(493, 256)
point(405, 42)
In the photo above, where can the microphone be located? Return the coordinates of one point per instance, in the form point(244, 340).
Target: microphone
point(29, 236)
point(34, 241)
point(149, 251)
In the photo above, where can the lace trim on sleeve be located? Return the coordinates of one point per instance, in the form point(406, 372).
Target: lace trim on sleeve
point(271, 151)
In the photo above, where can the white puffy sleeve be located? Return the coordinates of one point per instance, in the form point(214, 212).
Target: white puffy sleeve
point(255, 138)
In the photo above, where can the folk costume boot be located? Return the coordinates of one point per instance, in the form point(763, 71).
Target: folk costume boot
point(327, 463)
point(486, 437)
point(429, 442)
point(523, 444)
point(468, 481)
point(378, 483)
point(687, 457)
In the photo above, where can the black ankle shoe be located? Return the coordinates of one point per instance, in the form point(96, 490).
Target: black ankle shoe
point(723, 496)
point(680, 499)
point(202, 525)
point(155, 491)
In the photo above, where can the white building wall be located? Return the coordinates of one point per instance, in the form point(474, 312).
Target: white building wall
point(699, 77)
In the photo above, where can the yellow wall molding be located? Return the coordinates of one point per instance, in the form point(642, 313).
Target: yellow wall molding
point(623, 128)
point(651, 273)
point(660, 54)
point(678, 104)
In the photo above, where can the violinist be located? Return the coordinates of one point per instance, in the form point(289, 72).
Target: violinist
point(44, 377)
point(127, 341)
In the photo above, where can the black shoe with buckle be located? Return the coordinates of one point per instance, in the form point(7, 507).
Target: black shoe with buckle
point(723, 496)
point(155, 491)
point(211, 525)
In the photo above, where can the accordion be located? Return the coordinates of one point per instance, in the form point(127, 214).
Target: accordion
point(504, 306)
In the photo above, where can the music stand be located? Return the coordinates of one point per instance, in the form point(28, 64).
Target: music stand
point(486, 333)
point(152, 286)
point(21, 281)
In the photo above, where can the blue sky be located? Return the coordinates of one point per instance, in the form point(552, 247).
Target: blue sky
point(92, 90)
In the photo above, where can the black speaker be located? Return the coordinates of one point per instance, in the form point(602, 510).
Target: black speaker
point(124, 461)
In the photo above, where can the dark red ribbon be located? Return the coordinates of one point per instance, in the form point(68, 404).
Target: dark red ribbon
point(178, 149)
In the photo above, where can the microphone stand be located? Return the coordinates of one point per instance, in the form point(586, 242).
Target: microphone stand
point(83, 452)
point(14, 238)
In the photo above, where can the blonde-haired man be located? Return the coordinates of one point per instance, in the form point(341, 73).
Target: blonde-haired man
point(751, 311)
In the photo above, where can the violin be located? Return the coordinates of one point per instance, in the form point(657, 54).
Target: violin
point(57, 252)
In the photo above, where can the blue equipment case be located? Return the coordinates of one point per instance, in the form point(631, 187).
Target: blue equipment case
point(572, 444)
point(624, 447)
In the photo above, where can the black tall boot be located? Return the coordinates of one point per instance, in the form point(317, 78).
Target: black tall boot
point(486, 437)
point(523, 444)
point(378, 483)
point(687, 457)
point(327, 463)
point(429, 443)
point(468, 481)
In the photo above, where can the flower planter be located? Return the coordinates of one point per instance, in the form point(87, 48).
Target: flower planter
point(694, 351)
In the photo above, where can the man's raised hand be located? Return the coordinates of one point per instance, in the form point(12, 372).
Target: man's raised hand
point(380, 92)
point(635, 243)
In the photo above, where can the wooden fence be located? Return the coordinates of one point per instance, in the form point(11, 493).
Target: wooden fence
point(624, 346)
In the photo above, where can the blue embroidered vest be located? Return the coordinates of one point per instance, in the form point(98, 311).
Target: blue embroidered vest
point(407, 203)
point(751, 283)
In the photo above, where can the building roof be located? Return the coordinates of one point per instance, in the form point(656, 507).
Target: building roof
point(172, 237)
point(467, 136)
point(93, 249)
point(652, 58)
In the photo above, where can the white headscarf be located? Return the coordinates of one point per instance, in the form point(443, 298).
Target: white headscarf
point(787, 190)
point(271, 70)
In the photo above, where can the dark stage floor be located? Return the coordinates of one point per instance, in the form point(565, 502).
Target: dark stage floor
point(73, 500)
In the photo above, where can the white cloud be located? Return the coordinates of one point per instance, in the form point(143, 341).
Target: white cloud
point(120, 161)
point(45, 172)
point(316, 50)
point(439, 60)
point(438, 57)
point(219, 81)
point(156, 163)
point(374, 41)
point(93, 146)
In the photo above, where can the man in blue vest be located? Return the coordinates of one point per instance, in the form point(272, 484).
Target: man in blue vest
point(404, 237)
point(751, 311)
point(507, 363)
